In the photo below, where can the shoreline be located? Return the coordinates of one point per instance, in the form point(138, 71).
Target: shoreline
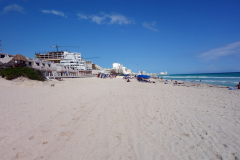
point(187, 83)
point(230, 79)
point(199, 83)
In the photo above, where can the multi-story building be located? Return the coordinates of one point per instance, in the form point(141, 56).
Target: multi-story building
point(120, 69)
point(89, 65)
point(74, 60)
point(5, 57)
point(55, 57)
point(162, 73)
point(142, 73)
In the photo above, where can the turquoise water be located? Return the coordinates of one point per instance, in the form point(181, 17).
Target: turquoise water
point(225, 79)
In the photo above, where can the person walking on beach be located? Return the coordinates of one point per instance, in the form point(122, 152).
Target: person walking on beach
point(238, 85)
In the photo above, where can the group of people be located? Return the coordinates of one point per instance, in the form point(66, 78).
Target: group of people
point(127, 78)
point(144, 80)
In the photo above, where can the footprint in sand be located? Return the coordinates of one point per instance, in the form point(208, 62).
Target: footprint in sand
point(45, 142)
point(234, 157)
point(30, 138)
point(218, 156)
point(63, 134)
point(185, 134)
point(20, 155)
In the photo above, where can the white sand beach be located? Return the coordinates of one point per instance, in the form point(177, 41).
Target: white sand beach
point(99, 119)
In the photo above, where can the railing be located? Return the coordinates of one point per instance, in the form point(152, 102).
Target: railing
point(71, 76)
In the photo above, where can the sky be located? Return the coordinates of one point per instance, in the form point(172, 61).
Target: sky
point(177, 36)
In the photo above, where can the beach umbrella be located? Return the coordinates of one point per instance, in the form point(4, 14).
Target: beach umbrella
point(20, 57)
point(143, 76)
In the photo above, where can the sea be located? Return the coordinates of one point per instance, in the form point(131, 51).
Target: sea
point(230, 79)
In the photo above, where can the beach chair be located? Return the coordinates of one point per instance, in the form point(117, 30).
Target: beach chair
point(48, 79)
point(59, 79)
point(166, 82)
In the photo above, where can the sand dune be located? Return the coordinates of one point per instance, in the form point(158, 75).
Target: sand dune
point(91, 118)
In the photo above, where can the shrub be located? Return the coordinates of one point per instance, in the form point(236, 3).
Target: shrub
point(12, 73)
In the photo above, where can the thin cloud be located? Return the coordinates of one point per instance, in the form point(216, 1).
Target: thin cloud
point(98, 19)
point(13, 7)
point(58, 13)
point(150, 25)
point(82, 16)
point(94, 18)
point(107, 18)
point(229, 49)
point(118, 19)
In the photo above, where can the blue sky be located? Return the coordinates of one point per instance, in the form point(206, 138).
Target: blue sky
point(177, 36)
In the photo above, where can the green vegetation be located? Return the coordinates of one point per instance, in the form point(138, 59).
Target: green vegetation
point(12, 73)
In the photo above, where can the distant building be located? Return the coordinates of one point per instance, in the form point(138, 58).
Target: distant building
point(74, 60)
point(5, 58)
point(117, 66)
point(89, 65)
point(49, 68)
point(162, 73)
point(120, 69)
point(55, 57)
point(125, 70)
point(142, 73)
point(65, 58)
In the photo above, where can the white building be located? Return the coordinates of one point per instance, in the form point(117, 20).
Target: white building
point(125, 70)
point(73, 60)
point(120, 69)
point(50, 68)
point(117, 66)
point(142, 73)
point(162, 73)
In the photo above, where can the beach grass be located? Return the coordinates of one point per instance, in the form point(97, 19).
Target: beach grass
point(12, 73)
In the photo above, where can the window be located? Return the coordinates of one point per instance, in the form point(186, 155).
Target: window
point(37, 64)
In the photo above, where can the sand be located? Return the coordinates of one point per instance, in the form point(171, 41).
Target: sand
point(98, 119)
